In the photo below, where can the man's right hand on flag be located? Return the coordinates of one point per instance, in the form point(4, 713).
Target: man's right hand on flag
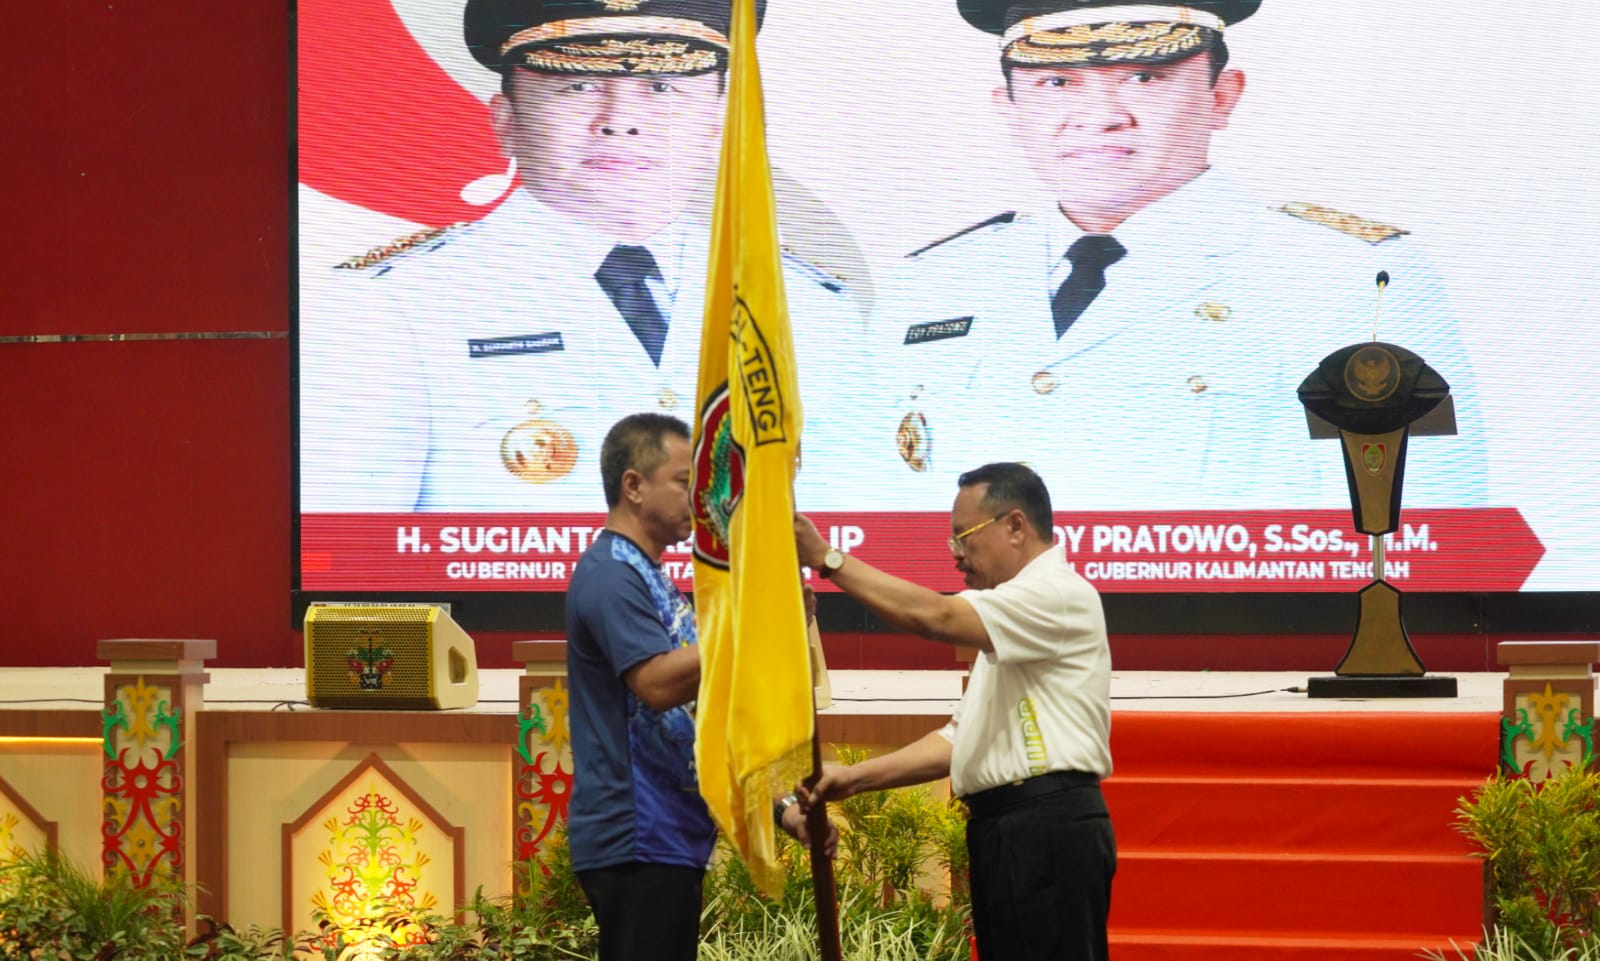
point(792, 818)
point(925, 759)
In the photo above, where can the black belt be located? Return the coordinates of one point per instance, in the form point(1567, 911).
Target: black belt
point(988, 803)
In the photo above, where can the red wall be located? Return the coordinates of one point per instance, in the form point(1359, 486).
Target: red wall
point(147, 484)
point(147, 488)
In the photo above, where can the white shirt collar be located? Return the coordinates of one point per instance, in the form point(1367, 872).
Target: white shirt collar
point(1189, 217)
point(680, 248)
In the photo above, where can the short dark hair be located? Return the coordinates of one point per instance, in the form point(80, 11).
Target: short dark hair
point(1014, 486)
point(637, 442)
point(1219, 58)
point(1217, 52)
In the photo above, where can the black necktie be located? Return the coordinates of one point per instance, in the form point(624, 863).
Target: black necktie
point(1090, 256)
point(623, 277)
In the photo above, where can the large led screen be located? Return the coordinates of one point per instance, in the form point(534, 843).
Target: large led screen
point(463, 345)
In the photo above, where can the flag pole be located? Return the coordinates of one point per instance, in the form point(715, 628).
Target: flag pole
point(817, 826)
point(822, 865)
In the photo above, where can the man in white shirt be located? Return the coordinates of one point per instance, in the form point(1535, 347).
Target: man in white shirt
point(1030, 740)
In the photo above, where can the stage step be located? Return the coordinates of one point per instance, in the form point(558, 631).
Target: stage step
point(1392, 815)
point(1298, 891)
point(1373, 744)
point(1279, 837)
point(1211, 946)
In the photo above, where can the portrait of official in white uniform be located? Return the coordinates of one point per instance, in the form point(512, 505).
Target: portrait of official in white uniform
point(477, 367)
point(1139, 340)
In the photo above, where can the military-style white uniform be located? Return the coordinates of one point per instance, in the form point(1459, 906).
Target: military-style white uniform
point(428, 372)
point(1176, 388)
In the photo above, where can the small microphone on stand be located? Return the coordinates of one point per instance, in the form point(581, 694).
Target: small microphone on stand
point(1383, 281)
point(1377, 539)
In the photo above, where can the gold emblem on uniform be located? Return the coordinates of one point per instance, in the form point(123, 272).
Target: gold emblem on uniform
point(1045, 382)
point(613, 56)
point(1372, 374)
point(394, 248)
point(1361, 228)
point(667, 399)
point(915, 441)
point(1106, 43)
point(622, 6)
point(1214, 311)
point(1197, 384)
point(538, 451)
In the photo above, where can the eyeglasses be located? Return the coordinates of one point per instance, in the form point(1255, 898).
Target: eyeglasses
point(956, 541)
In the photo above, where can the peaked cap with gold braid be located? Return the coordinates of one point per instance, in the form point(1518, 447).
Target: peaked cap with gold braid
point(1072, 33)
point(601, 37)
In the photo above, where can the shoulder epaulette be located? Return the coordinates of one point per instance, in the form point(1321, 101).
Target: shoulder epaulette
point(394, 248)
point(995, 221)
point(1371, 231)
point(821, 277)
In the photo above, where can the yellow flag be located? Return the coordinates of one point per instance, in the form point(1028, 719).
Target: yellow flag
point(754, 717)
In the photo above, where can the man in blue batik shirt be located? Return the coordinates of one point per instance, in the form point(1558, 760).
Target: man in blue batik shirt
point(639, 833)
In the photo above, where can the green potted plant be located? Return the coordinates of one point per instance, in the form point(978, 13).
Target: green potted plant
point(52, 908)
point(1541, 843)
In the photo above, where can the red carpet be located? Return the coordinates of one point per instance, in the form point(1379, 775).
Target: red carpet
point(1269, 837)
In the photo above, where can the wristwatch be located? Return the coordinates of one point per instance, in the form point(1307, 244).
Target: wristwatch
point(831, 562)
point(781, 807)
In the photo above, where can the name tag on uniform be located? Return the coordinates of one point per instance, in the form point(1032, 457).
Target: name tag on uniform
point(938, 330)
point(520, 344)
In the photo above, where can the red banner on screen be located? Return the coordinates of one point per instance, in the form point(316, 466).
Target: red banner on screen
point(1486, 549)
point(405, 106)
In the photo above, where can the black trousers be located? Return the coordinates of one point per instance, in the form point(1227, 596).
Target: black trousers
point(646, 912)
point(1041, 875)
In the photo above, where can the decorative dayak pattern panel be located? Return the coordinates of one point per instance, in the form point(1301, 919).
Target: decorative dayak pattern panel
point(10, 848)
point(544, 774)
point(21, 829)
point(1546, 733)
point(369, 856)
point(10, 845)
point(143, 783)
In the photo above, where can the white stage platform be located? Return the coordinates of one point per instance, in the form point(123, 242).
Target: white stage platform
point(855, 692)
